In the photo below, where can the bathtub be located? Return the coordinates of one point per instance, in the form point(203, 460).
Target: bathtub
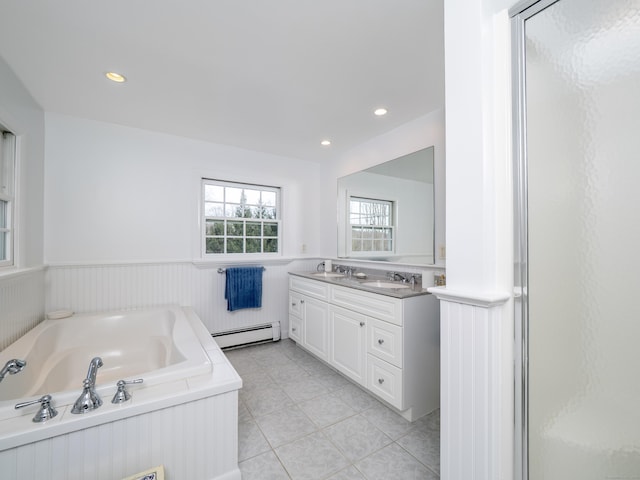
point(187, 401)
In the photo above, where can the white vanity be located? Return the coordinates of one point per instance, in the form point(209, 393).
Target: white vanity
point(385, 339)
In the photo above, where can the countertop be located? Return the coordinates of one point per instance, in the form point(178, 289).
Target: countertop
point(360, 284)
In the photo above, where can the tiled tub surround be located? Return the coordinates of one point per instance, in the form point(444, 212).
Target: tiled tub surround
point(186, 422)
point(385, 339)
point(298, 418)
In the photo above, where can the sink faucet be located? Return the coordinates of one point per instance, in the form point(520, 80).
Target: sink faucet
point(89, 398)
point(12, 367)
point(393, 276)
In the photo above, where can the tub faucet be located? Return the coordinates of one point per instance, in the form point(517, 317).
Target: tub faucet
point(89, 398)
point(12, 367)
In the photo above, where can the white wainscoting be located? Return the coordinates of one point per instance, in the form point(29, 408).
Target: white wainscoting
point(89, 288)
point(192, 440)
point(476, 386)
point(21, 303)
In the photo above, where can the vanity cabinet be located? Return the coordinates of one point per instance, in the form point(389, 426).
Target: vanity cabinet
point(309, 317)
point(388, 345)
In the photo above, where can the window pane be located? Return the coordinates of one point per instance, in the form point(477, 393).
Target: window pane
point(214, 227)
point(214, 209)
point(235, 229)
point(269, 213)
point(252, 197)
point(235, 245)
point(269, 198)
point(215, 245)
point(271, 245)
point(253, 245)
point(254, 229)
point(213, 193)
point(234, 195)
point(270, 229)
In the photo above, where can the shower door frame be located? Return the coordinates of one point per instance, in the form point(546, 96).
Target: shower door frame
point(519, 14)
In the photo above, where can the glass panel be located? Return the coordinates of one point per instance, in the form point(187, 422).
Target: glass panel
point(254, 229)
point(253, 245)
point(215, 245)
point(235, 245)
point(213, 209)
point(213, 193)
point(269, 198)
point(583, 112)
point(270, 245)
point(234, 195)
point(252, 197)
point(270, 229)
point(269, 213)
point(235, 228)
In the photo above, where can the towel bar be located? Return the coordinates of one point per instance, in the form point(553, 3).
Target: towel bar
point(224, 270)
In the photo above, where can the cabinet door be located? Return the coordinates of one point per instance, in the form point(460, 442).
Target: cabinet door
point(295, 328)
point(347, 340)
point(316, 327)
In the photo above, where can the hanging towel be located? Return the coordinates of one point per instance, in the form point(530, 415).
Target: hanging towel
point(243, 288)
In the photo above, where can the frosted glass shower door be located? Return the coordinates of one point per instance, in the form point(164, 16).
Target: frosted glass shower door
point(582, 130)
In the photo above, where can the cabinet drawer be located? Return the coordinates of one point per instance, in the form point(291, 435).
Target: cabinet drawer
point(385, 341)
point(295, 328)
point(385, 380)
point(312, 288)
point(371, 304)
point(295, 304)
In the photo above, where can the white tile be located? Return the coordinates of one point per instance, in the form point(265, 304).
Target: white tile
point(305, 389)
point(357, 398)
point(263, 467)
point(388, 421)
point(326, 409)
point(356, 437)
point(394, 462)
point(311, 457)
point(424, 445)
point(349, 473)
point(251, 442)
point(266, 400)
point(285, 425)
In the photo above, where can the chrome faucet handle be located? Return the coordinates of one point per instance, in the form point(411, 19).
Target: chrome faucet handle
point(122, 395)
point(46, 410)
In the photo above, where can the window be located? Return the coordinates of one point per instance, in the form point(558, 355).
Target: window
point(371, 225)
point(240, 218)
point(7, 195)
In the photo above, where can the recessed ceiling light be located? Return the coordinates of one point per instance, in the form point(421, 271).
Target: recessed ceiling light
point(380, 111)
point(325, 143)
point(115, 77)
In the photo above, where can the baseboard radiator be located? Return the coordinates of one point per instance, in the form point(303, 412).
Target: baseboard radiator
point(269, 332)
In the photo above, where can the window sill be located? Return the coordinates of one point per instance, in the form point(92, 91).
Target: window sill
point(12, 272)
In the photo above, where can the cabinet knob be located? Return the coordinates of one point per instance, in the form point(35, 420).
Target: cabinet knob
point(380, 341)
point(293, 304)
point(301, 301)
point(381, 381)
point(293, 329)
point(362, 324)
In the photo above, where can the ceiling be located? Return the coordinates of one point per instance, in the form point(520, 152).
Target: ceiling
point(274, 76)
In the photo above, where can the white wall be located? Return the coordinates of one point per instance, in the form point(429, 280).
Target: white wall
point(118, 194)
point(21, 287)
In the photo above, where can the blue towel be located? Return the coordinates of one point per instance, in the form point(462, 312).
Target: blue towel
point(243, 288)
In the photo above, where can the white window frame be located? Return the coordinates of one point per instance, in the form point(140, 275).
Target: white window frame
point(8, 186)
point(207, 219)
point(389, 227)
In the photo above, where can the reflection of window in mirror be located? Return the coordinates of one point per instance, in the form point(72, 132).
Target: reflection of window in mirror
point(371, 223)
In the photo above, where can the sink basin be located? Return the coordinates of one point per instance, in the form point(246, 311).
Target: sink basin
point(381, 284)
point(327, 274)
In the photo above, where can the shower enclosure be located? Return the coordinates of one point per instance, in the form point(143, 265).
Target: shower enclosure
point(577, 85)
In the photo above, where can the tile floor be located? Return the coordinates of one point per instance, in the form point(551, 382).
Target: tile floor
point(299, 419)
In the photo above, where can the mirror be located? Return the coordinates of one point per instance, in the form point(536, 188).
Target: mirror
point(387, 212)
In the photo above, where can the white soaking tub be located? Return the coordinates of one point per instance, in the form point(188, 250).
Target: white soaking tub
point(183, 415)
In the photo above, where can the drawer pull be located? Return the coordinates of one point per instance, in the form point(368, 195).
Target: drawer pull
point(293, 304)
point(362, 324)
point(301, 301)
point(293, 329)
point(381, 381)
point(380, 341)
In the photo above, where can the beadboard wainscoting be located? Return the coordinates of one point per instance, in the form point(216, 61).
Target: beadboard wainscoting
point(180, 437)
point(21, 303)
point(96, 287)
point(476, 397)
